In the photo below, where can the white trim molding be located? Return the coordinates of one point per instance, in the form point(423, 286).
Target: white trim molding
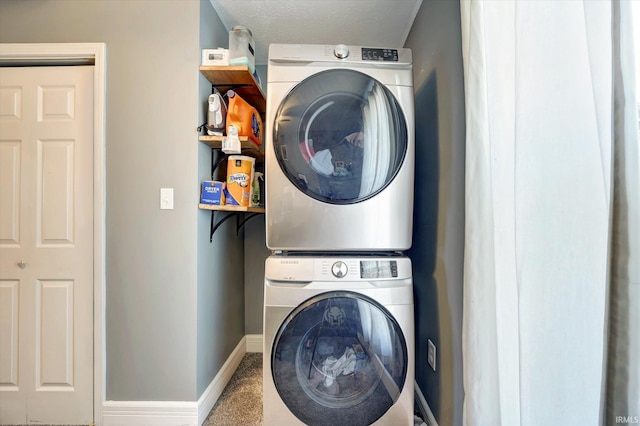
point(119, 413)
point(254, 342)
point(52, 53)
point(211, 394)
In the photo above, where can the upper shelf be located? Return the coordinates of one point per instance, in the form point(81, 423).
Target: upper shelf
point(239, 79)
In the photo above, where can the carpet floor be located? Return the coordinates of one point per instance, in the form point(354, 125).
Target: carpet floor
point(240, 404)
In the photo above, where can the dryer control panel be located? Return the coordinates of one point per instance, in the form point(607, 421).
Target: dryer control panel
point(369, 54)
point(283, 54)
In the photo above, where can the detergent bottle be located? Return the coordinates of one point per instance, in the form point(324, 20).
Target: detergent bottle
point(255, 189)
point(244, 118)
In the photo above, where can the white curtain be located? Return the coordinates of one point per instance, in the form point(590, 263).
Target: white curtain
point(539, 209)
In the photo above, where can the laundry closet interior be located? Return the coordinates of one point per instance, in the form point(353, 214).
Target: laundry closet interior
point(327, 226)
point(318, 228)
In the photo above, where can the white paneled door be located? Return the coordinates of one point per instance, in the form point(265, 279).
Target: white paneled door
point(46, 245)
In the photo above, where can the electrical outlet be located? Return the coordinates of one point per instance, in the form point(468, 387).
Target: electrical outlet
point(431, 355)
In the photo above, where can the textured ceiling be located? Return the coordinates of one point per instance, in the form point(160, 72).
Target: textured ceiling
point(372, 23)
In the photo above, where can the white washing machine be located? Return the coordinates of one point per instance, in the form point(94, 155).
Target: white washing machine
point(338, 341)
point(339, 148)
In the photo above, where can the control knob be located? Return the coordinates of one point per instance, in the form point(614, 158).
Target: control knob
point(339, 269)
point(341, 51)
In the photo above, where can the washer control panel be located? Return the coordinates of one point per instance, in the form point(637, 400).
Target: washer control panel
point(361, 269)
point(331, 269)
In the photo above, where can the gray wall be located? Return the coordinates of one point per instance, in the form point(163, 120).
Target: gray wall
point(220, 322)
point(174, 303)
point(255, 253)
point(438, 240)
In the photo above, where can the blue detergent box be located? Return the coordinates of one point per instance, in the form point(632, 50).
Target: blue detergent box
point(212, 193)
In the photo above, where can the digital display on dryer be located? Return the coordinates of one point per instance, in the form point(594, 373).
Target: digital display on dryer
point(369, 54)
point(378, 269)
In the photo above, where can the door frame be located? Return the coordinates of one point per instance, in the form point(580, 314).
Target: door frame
point(95, 54)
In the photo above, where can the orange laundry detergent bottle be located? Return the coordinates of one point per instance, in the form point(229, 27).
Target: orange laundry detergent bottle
point(244, 118)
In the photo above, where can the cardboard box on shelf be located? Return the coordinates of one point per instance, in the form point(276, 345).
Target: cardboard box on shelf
point(212, 193)
point(216, 57)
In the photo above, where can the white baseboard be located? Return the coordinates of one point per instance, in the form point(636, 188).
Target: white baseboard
point(119, 413)
point(423, 406)
point(254, 342)
point(214, 390)
point(180, 413)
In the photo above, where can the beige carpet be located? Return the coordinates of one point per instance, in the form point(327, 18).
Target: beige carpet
point(240, 404)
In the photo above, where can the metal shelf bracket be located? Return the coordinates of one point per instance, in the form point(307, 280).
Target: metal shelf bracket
point(239, 222)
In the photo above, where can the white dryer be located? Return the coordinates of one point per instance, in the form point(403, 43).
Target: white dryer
point(338, 341)
point(339, 148)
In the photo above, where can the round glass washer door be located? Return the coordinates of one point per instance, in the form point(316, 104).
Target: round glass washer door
point(339, 358)
point(340, 136)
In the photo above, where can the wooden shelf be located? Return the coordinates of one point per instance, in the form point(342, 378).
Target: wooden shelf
point(239, 79)
point(232, 208)
point(247, 146)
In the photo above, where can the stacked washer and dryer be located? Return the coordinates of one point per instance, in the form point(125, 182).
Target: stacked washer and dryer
point(338, 300)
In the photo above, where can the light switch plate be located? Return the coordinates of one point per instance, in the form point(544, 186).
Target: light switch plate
point(166, 198)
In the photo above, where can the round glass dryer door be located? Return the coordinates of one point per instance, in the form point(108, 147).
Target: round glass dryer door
point(340, 136)
point(339, 359)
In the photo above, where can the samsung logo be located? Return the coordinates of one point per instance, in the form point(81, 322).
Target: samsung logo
point(289, 262)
